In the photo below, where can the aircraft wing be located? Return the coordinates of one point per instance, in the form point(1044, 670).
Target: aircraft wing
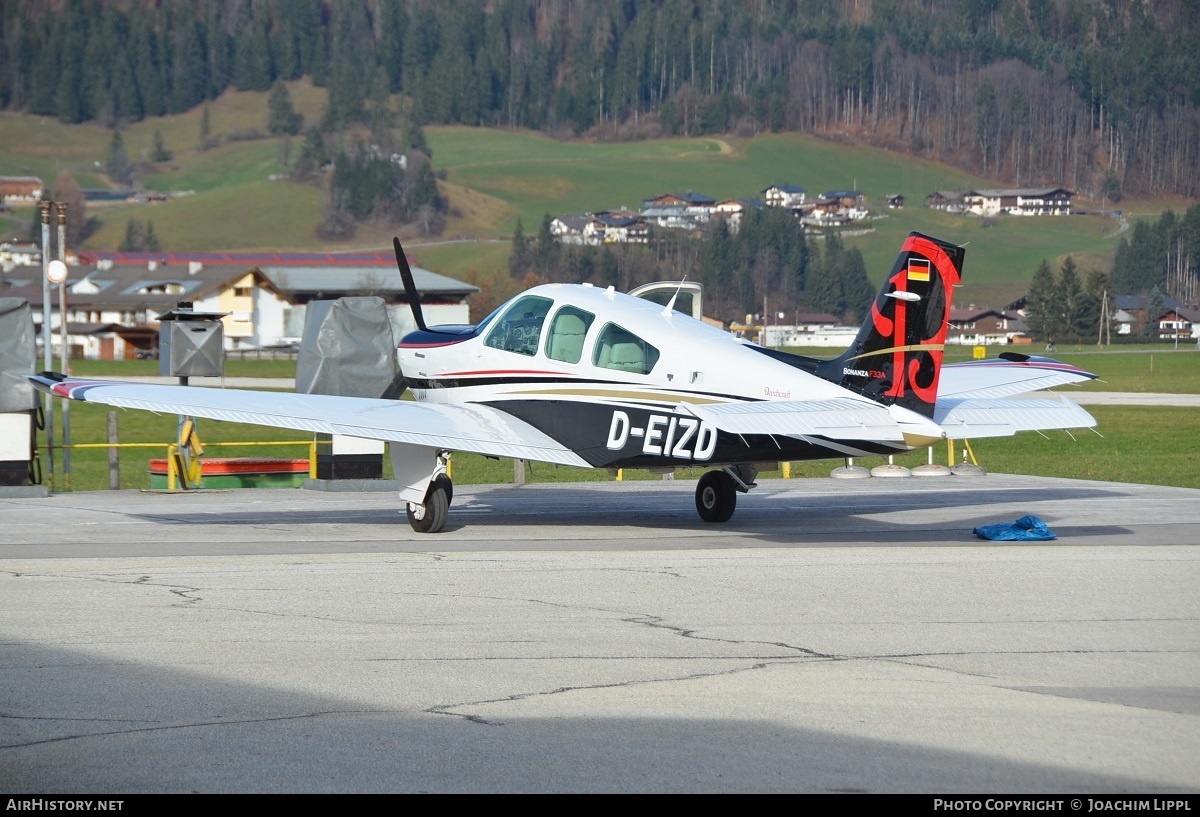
point(837, 419)
point(1002, 377)
point(461, 427)
point(1004, 416)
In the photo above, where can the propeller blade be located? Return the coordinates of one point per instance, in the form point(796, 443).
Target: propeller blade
point(410, 286)
point(396, 388)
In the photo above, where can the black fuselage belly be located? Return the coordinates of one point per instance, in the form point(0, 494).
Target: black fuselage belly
point(631, 436)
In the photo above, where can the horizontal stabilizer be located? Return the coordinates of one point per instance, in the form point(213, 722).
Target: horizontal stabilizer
point(1002, 417)
point(470, 427)
point(837, 419)
point(1002, 378)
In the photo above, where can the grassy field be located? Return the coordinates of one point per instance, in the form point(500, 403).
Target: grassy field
point(1161, 370)
point(495, 176)
point(537, 175)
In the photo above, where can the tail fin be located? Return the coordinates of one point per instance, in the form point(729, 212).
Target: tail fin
point(897, 355)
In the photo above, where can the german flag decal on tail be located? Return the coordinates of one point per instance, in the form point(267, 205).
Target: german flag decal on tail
point(918, 269)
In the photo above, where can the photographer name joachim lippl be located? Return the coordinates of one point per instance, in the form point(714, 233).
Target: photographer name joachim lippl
point(1139, 805)
point(1076, 804)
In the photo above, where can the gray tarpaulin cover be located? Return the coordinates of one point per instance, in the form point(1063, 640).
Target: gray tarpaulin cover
point(18, 354)
point(1025, 529)
point(347, 348)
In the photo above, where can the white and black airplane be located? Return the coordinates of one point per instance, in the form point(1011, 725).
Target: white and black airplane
point(586, 376)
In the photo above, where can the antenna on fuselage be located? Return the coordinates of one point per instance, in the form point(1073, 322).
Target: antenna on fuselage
point(410, 286)
point(666, 313)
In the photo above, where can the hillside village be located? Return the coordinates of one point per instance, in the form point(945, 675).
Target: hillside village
point(835, 208)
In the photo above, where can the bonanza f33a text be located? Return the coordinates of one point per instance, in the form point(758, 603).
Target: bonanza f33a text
point(586, 376)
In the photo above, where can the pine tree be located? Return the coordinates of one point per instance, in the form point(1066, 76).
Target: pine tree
point(1070, 299)
point(189, 67)
point(282, 118)
point(1042, 312)
point(545, 249)
point(393, 23)
point(414, 138)
point(148, 67)
point(160, 152)
point(858, 292)
point(518, 260)
point(120, 169)
point(312, 155)
point(205, 129)
point(1155, 306)
point(382, 117)
point(823, 290)
point(252, 58)
point(150, 243)
point(134, 237)
point(1090, 302)
point(716, 263)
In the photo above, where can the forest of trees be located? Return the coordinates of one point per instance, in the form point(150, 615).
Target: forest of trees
point(1161, 259)
point(1065, 307)
point(1102, 96)
point(1162, 255)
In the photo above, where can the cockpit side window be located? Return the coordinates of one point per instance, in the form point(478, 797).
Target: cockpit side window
point(565, 340)
point(623, 351)
point(520, 329)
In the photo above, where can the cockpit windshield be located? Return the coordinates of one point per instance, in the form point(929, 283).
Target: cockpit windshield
point(520, 329)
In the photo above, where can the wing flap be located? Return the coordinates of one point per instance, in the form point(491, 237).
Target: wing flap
point(460, 427)
point(1003, 417)
point(837, 419)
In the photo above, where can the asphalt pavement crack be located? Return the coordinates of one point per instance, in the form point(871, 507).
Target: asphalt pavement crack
point(444, 709)
point(657, 623)
point(191, 725)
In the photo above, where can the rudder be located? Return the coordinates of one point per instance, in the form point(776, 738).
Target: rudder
point(896, 358)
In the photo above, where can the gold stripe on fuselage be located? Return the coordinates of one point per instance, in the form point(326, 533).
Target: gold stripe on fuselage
point(919, 347)
point(658, 397)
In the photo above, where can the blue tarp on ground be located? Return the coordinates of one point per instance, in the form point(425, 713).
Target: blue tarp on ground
point(1025, 529)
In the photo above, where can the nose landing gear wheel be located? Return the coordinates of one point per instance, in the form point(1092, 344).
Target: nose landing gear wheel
point(716, 497)
point(431, 516)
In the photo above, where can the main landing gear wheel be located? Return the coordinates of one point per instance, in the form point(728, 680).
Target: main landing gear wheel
point(716, 497)
point(431, 516)
point(447, 486)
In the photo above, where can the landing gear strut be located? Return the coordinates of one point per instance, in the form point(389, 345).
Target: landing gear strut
point(716, 494)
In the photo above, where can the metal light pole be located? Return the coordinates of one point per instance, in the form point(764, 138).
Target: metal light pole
point(66, 343)
point(47, 354)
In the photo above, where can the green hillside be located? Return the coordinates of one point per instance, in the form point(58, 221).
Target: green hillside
point(492, 177)
point(537, 175)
